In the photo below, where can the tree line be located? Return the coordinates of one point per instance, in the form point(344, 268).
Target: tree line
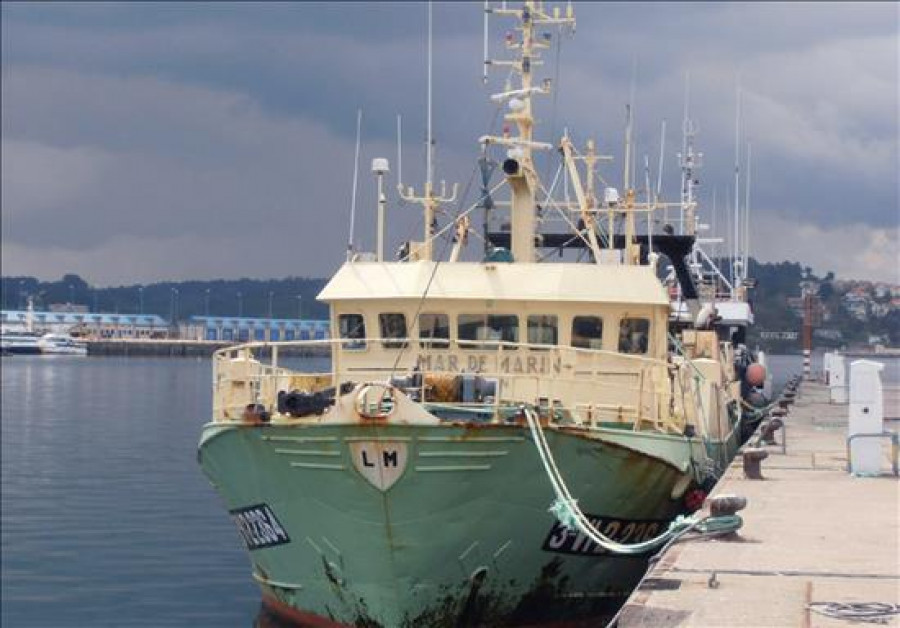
point(292, 297)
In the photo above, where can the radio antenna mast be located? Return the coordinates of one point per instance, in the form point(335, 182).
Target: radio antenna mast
point(355, 179)
point(429, 154)
point(429, 199)
point(487, 61)
point(747, 213)
point(662, 150)
point(399, 152)
point(737, 262)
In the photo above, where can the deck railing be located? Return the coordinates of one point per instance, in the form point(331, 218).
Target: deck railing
point(585, 387)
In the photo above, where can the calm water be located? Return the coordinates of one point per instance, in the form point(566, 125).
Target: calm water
point(106, 518)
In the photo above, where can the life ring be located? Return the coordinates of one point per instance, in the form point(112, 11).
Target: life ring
point(375, 401)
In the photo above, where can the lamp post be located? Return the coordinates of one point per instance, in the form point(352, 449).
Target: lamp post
point(71, 296)
point(299, 306)
point(206, 304)
point(140, 299)
point(271, 294)
point(173, 311)
point(240, 298)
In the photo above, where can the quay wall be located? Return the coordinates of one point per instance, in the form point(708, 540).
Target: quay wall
point(181, 348)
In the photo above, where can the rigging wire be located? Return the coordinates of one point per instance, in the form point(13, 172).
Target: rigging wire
point(555, 86)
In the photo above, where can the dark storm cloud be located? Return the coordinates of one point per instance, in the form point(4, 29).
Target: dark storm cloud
point(144, 126)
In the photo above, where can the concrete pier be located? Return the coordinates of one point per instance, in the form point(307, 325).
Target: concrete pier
point(812, 535)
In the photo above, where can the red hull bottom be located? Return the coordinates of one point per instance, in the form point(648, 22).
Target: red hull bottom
point(280, 615)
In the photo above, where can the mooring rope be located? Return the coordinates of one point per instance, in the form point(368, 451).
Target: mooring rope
point(565, 507)
point(869, 612)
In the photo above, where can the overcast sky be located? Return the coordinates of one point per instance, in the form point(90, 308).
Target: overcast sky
point(154, 141)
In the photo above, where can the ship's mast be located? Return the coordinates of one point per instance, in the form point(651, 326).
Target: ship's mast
point(737, 263)
point(430, 201)
point(518, 167)
point(689, 162)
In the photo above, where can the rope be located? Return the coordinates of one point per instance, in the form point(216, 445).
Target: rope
point(565, 507)
point(869, 612)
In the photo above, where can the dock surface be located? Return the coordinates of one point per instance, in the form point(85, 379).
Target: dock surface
point(812, 535)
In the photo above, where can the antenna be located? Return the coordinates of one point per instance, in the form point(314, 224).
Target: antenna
point(399, 153)
point(647, 178)
point(429, 165)
point(627, 175)
point(729, 249)
point(737, 178)
point(487, 61)
point(685, 132)
point(429, 200)
point(747, 213)
point(662, 149)
point(715, 211)
point(629, 130)
point(566, 194)
point(355, 179)
point(649, 213)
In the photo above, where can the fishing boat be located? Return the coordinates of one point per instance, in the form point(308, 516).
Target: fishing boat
point(716, 292)
point(498, 442)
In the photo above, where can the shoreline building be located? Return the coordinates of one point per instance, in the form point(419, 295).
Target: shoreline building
point(249, 329)
point(96, 325)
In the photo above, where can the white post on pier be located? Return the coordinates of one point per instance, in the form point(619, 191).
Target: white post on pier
point(837, 378)
point(865, 424)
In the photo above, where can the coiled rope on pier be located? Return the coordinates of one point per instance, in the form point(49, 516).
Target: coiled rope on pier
point(565, 507)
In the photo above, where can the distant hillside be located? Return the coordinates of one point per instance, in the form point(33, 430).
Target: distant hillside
point(852, 313)
point(221, 297)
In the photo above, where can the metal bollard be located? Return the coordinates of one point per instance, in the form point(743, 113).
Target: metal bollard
point(753, 457)
point(724, 505)
point(767, 431)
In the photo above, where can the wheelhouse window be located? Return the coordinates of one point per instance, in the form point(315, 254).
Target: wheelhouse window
point(478, 331)
point(393, 330)
point(352, 327)
point(587, 332)
point(634, 335)
point(542, 330)
point(434, 331)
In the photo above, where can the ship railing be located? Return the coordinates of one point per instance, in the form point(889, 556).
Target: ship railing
point(593, 387)
point(242, 377)
point(587, 387)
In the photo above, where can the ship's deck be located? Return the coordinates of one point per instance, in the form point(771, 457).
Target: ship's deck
point(812, 534)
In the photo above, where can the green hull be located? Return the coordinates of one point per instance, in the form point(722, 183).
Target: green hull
point(463, 537)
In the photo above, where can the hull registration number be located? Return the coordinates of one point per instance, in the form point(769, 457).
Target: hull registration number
point(562, 540)
point(259, 527)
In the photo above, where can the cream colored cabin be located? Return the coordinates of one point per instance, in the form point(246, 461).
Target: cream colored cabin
point(462, 306)
point(576, 334)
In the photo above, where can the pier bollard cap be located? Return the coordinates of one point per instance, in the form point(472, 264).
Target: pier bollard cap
point(728, 504)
